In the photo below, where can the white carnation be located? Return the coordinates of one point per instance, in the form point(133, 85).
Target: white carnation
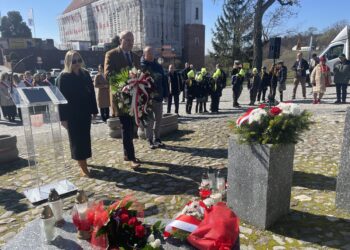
point(289, 108)
point(295, 109)
point(256, 115)
point(150, 238)
point(156, 244)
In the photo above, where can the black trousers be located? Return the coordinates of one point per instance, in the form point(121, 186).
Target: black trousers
point(104, 114)
point(262, 95)
point(273, 90)
point(215, 100)
point(252, 94)
point(127, 127)
point(189, 103)
point(237, 91)
point(170, 102)
point(341, 92)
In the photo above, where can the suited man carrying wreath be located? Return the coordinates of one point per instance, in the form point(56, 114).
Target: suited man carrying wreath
point(115, 60)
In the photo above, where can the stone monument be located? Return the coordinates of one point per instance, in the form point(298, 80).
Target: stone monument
point(343, 180)
point(259, 181)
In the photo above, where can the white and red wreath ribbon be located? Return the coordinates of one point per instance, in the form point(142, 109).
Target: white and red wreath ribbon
point(244, 118)
point(137, 87)
point(185, 222)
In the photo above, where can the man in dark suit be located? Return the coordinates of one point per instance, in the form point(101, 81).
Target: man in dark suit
point(117, 59)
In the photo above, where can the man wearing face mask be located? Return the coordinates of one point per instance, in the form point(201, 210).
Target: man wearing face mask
point(115, 61)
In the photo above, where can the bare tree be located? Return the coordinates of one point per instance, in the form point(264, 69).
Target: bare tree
point(260, 9)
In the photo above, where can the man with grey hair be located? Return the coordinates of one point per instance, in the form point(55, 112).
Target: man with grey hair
point(151, 66)
point(116, 60)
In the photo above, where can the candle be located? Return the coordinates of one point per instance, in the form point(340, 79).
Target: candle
point(48, 224)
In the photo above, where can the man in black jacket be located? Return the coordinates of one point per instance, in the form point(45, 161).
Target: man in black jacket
point(184, 79)
point(150, 65)
point(300, 66)
point(174, 83)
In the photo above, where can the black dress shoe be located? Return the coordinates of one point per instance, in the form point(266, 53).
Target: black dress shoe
point(159, 143)
point(152, 145)
point(337, 102)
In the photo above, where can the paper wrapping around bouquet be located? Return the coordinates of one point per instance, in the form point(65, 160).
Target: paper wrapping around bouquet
point(219, 230)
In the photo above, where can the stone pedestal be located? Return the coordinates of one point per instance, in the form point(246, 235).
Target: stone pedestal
point(8, 148)
point(259, 181)
point(343, 180)
point(169, 124)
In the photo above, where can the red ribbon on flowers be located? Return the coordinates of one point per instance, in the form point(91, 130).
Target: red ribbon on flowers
point(219, 229)
point(244, 117)
point(138, 87)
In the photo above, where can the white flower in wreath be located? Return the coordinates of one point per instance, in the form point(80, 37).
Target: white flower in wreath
point(295, 109)
point(256, 115)
point(120, 105)
point(156, 244)
point(289, 108)
point(150, 238)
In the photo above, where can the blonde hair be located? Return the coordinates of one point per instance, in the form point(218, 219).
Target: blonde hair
point(68, 60)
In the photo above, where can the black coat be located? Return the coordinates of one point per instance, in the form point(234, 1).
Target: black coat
point(302, 71)
point(174, 81)
point(184, 77)
point(80, 94)
point(265, 81)
point(190, 88)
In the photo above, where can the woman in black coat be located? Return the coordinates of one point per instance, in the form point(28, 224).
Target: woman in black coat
point(76, 85)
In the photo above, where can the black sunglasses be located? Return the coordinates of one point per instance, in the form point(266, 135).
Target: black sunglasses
point(77, 61)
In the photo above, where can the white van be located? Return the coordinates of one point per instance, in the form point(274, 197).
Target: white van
point(339, 45)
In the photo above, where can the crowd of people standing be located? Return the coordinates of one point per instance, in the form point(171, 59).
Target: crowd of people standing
point(196, 86)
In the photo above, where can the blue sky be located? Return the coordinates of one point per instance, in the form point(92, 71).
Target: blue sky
point(316, 13)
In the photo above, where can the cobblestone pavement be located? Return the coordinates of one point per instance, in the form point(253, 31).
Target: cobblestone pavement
point(170, 177)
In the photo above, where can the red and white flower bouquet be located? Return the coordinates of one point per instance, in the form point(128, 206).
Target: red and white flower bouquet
point(281, 124)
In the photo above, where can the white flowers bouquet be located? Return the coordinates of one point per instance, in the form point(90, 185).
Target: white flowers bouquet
point(281, 124)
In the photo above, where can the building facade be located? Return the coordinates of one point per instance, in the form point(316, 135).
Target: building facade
point(162, 24)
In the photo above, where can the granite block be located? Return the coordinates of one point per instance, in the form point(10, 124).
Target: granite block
point(259, 181)
point(343, 179)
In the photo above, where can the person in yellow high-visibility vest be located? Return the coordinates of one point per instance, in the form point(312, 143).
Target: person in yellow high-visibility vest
point(218, 84)
point(190, 86)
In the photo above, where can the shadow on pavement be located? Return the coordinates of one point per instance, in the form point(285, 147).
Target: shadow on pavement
point(178, 135)
point(11, 124)
point(10, 201)
point(314, 181)
point(203, 152)
point(157, 182)
point(13, 166)
point(316, 229)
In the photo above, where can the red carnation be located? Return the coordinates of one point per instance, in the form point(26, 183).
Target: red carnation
point(139, 231)
point(275, 111)
point(124, 217)
point(133, 221)
point(262, 106)
point(204, 193)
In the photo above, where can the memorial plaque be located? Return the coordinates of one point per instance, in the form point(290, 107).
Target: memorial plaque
point(36, 95)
